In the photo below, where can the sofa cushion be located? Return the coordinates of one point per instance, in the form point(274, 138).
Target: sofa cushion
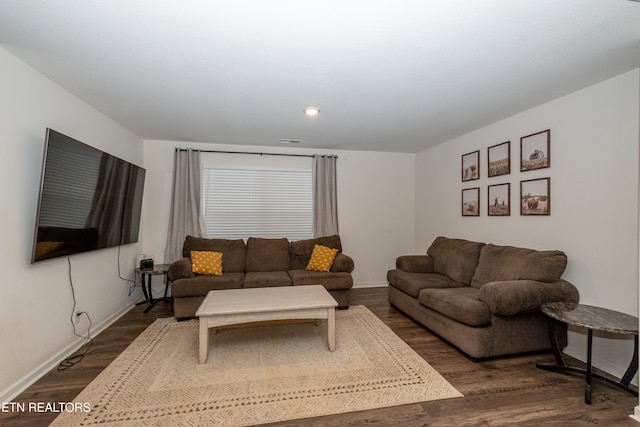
point(265, 279)
point(455, 258)
point(234, 252)
point(499, 263)
point(461, 304)
point(267, 254)
point(413, 283)
point(301, 250)
point(415, 263)
point(321, 258)
point(511, 297)
point(331, 281)
point(206, 262)
point(200, 286)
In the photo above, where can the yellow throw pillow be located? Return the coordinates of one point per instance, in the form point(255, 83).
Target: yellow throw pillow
point(321, 258)
point(206, 262)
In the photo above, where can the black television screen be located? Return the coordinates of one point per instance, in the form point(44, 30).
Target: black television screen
point(88, 199)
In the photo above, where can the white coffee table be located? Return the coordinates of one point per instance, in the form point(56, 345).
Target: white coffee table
point(236, 306)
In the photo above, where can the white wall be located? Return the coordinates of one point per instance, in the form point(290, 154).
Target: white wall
point(375, 203)
point(594, 197)
point(36, 302)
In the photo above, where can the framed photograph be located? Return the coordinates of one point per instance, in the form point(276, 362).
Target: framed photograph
point(471, 166)
point(535, 197)
point(471, 202)
point(535, 151)
point(499, 159)
point(499, 200)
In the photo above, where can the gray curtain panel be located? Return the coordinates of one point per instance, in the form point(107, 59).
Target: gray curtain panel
point(185, 216)
point(325, 196)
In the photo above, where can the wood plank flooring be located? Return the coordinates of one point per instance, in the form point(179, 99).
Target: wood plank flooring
point(508, 391)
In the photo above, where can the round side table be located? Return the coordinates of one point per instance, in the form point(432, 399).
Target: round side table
point(148, 273)
point(593, 319)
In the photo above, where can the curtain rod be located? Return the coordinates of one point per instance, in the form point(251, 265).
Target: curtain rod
point(254, 153)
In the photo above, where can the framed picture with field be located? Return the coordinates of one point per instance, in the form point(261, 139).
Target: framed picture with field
point(471, 166)
point(535, 151)
point(535, 196)
point(499, 200)
point(471, 202)
point(499, 159)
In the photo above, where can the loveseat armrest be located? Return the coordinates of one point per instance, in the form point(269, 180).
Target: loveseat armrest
point(510, 297)
point(415, 263)
point(180, 269)
point(342, 263)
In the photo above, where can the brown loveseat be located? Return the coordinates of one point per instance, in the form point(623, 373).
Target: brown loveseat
point(482, 298)
point(257, 263)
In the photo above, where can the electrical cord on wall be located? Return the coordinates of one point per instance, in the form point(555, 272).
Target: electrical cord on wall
point(133, 282)
point(78, 355)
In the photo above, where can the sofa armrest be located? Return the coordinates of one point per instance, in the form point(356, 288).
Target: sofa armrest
point(510, 297)
point(180, 269)
point(342, 263)
point(415, 263)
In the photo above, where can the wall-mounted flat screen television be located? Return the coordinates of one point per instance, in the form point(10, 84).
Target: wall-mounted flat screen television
point(88, 199)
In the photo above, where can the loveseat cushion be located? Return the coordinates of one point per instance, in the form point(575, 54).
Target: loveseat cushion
point(499, 263)
point(413, 283)
point(180, 269)
point(234, 252)
point(267, 254)
point(265, 279)
point(301, 250)
point(460, 304)
point(331, 281)
point(341, 264)
point(200, 286)
point(455, 258)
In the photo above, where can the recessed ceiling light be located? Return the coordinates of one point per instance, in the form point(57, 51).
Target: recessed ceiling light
point(311, 111)
point(289, 141)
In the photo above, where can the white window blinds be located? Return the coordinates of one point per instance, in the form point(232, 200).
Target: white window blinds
point(253, 202)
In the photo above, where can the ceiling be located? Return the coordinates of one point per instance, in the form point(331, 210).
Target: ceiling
point(396, 75)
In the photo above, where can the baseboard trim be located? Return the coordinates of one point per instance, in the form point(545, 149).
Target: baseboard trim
point(370, 285)
point(21, 385)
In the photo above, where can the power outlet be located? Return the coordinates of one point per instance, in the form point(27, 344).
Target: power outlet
point(77, 316)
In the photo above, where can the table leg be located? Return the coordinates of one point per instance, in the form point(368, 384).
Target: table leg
point(331, 328)
point(144, 289)
point(633, 366)
point(552, 326)
point(165, 276)
point(204, 340)
point(149, 277)
point(589, 373)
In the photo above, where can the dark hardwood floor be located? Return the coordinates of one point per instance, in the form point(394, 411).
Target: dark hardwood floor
point(508, 391)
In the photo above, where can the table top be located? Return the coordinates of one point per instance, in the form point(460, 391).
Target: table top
point(156, 269)
point(254, 300)
point(587, 316)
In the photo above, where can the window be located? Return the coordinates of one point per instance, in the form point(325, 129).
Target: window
point(241, 202)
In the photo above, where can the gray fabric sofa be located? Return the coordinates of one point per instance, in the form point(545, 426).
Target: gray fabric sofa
point(482, 298)
point(257, 263)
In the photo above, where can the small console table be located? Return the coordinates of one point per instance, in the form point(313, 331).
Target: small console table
point(148, 273)
point(591, 318)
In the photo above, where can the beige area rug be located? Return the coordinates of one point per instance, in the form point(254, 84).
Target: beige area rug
point(257, 375)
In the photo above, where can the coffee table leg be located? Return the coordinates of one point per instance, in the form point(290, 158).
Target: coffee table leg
point(204, 340)
point(331, 328)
